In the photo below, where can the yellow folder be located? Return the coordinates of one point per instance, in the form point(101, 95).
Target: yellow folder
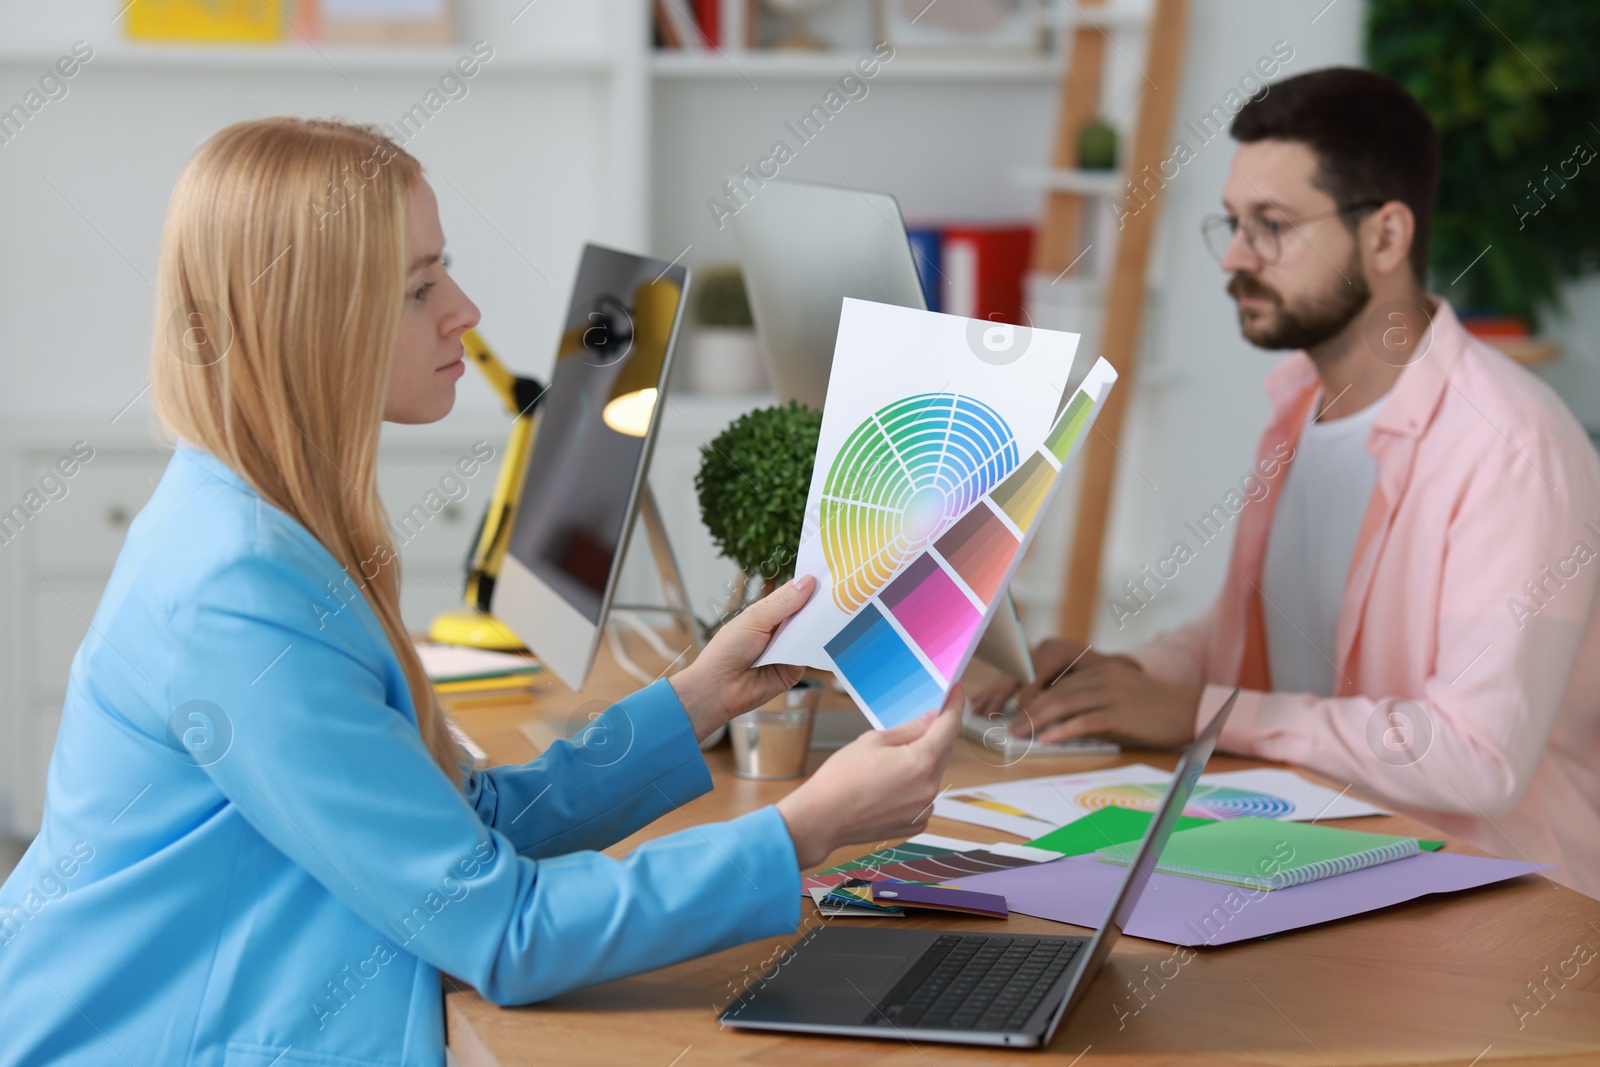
point(206, 20)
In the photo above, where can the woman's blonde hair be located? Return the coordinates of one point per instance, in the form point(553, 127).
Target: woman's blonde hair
point(278, 303)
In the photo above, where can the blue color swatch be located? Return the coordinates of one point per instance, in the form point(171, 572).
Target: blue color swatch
point(882, 669)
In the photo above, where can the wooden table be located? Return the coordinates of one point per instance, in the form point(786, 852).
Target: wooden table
point(1435, 980)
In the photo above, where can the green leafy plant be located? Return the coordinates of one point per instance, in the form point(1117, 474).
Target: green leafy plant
point(720, 298)
point(1514, 184)
point(752, 485)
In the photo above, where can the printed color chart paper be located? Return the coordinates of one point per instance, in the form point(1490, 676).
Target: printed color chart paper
point(933, 464)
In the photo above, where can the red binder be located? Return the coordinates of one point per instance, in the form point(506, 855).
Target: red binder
point(984, 268)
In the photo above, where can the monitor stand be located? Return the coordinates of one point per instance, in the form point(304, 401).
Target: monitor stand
point(677, 598)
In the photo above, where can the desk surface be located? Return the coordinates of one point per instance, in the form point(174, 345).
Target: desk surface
point(1436, 980)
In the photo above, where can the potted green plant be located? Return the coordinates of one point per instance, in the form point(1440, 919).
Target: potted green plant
point(1097, 145)
point(726, 357)
point(752, 486)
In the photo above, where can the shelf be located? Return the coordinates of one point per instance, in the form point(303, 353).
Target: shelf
point(331, 59)
point(1083, 182)
point(830, 66)
point(1119, 15)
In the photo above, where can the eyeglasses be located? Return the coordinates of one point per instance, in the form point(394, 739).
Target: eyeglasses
point(1264, 236)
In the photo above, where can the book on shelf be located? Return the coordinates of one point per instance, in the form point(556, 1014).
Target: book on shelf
point(975, 270)
point(356, 22)
point(697, 25)
point(204, 21)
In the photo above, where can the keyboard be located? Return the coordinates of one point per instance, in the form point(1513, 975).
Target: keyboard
point(976, 982)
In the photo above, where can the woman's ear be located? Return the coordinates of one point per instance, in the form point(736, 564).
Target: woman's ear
point(1386, 236)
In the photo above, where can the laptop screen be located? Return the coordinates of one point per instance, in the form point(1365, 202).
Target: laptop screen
point(1190, 766)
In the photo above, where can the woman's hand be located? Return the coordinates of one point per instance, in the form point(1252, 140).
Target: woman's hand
point(879, 787)
point(720, 683)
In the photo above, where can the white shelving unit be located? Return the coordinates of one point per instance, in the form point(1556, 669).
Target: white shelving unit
point(576, 130)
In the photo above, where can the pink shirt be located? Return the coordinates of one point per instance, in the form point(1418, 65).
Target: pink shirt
point(1467, 680)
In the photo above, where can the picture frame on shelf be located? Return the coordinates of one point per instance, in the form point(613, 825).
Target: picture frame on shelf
point(386, 22)
point(978, 26)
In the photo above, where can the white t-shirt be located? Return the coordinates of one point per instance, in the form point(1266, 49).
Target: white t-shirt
point(1314, 529)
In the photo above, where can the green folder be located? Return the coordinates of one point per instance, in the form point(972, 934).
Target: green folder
point(1102, 828)
point(1269, 853)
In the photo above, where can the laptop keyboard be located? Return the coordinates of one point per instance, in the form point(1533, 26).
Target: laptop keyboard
point(976, 982)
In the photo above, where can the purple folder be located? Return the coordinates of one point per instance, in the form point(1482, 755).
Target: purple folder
point(1194, 911)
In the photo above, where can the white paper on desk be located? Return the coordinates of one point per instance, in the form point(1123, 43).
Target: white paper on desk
point(938, 451)
point(1311, 801)
point(1038, 805)
point(1265, 792)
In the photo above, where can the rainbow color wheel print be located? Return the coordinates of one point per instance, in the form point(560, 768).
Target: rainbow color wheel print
point(1207, 802)
point(902, 477)
point(914, 625)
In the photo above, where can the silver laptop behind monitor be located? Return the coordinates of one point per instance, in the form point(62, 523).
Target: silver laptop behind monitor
point(805, 247)
point(874, 982)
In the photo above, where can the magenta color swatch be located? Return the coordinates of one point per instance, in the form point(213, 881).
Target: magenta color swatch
point(934, 611)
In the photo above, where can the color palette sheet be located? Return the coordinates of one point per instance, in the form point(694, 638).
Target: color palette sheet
point(936, 458)
point(927, 859)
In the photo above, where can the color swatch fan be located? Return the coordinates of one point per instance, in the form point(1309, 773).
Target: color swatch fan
point(923, 500)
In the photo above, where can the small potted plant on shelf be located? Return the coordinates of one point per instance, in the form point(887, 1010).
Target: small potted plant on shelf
point(752, 486)
point(1097, 146)
point(725, 355)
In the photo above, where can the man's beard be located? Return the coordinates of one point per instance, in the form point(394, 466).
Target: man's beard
point(1306, 327)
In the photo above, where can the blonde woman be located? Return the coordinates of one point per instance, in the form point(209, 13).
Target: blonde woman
point(260, 844)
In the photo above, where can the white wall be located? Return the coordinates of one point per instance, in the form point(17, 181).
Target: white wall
point(520, 173)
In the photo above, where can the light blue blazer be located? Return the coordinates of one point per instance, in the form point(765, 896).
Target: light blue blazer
point(249, 858)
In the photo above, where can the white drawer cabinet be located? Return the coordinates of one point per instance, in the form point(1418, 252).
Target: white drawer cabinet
point(83, 531)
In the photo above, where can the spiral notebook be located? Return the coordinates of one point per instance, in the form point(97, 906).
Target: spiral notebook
point(1269, 853)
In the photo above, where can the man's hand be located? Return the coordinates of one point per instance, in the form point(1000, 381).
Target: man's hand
point(1051, 658)
point(720, 683)
point(1111, 698)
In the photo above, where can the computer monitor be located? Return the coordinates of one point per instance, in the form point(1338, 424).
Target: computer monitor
point(586, 468)
point(806, 246)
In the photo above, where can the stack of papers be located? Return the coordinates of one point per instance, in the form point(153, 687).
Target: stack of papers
point(460, 673)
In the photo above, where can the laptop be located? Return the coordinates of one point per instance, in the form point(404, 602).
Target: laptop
point(805, 246)
point(951, 985)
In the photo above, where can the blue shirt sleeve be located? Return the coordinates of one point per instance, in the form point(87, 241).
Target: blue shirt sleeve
point(631, 764)
point(338, 779)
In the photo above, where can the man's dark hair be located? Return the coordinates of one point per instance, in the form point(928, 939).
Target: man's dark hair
point(1373, 141)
